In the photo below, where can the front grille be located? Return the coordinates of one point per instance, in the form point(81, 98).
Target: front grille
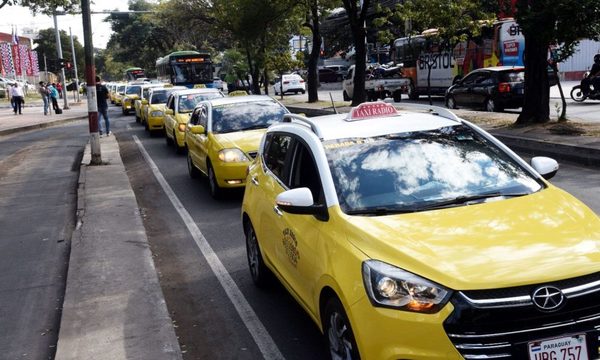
point(252, 154)
point(485, 330)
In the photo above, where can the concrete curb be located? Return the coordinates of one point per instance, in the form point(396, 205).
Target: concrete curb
point(41, 125)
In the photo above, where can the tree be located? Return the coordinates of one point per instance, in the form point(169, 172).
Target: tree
point(282, 62)
point(546, 23)
point(357, 16)
point(46, 46)
point(43, 6)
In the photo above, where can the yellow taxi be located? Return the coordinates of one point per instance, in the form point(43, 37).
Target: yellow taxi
point(137, 103)
point(153, 108)
point(112, 90)
point(119, 93)
point(223, 135)
point(418, 235)
point(179, 107)
point(133, 91)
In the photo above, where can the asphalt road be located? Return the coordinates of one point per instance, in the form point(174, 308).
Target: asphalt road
point(208, 323)
point(38, 181)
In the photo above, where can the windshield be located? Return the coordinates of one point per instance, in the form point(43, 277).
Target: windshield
point(187, 103)
point(192, 73)
point(246, 116)
point(415, 171)
point(121, 89)
point(134, 90)
point(159, 97)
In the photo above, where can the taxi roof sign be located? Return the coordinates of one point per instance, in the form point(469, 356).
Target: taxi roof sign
point(199, 86)
point(371, 110)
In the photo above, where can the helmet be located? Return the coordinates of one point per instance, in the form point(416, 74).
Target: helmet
point(597, 58)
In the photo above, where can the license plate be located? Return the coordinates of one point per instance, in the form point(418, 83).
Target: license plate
point(295, 82)
point(571, 347)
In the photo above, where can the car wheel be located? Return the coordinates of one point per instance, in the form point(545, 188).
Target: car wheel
point(397, 96)
point(192, 170)
point(137, 119)
point(258, 270)
point(178, 149)
point(213, 186)
point(303, 92)
point(346, 97)
point(412, 92)
point(168, 139)
point(490, 105)
point(451, 103)
point(338, 332)
point(577, 94)
point(146, 126)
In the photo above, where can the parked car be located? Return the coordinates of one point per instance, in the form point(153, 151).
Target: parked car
point(327, 75)
point(494, 88)
point(291, 83)
point(417, 235)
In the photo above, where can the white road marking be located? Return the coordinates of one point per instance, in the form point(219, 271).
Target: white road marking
point(263, 340)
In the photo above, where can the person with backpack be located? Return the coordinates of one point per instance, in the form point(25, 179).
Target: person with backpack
point(54, 98)
point(101, 96)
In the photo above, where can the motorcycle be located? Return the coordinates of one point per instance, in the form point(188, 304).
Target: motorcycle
point(578, 95)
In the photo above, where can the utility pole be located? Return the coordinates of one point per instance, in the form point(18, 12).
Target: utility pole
point(90, 77)
point(60, 56)
point(74, 60)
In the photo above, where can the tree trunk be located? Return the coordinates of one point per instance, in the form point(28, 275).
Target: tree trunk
point(266, 81)
point(313, 60)
point(536, 106)
point(360, 94)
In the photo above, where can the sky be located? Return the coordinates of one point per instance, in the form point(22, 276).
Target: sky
point(23, 19)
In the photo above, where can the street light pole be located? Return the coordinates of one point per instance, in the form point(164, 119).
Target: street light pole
point(90, 78)
point(74, 60)
point(60, 56)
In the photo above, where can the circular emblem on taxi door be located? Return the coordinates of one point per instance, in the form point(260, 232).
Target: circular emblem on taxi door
point(548, 298)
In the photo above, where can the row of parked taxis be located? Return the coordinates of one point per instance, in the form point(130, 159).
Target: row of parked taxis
point(403, 234)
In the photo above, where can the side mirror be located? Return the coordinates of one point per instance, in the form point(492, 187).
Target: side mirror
point(144, 102)
point(169, 112)
point(545, 166)
point(197, 129)
point(300, 201)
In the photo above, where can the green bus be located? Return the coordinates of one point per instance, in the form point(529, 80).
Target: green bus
point(187, 68)
point(134, 73)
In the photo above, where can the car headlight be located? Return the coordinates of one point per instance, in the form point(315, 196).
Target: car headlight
point(156, 113)
point(389, 286)
point(232, 155)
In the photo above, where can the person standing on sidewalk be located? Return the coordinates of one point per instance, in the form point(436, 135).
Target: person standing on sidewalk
point(44, 93)
point(17, 97)
point(101, 96)
point(53, 97)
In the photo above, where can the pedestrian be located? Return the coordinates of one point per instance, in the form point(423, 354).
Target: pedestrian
point(53, 98)
point(59, 89)
point(45, 94)
point(17, 98)
point(101, 96)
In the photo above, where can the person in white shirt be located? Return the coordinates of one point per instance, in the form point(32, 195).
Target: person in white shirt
point(17, 97)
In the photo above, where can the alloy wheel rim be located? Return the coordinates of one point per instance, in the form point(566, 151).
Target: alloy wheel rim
point(340, 346)
point(252, 253)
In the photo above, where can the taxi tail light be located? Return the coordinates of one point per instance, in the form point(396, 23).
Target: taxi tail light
point(301, 81)
point(286, 82)
point(504, 87)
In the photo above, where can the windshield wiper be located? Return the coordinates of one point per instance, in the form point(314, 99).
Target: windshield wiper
point(254, 127)
point(459, 200)
point(380, 211)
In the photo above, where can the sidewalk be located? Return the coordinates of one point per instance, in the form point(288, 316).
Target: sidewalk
point(114, 307)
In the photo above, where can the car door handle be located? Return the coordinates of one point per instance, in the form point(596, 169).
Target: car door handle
point(277, 211)
point(254, 180)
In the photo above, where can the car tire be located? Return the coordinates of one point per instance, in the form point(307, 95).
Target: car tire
point(303, 92)
point(213, 186)
point(138, 119)
point(346, 97)
point(412, 92)
point(178, 149)
point(490, 105)
point(168, 139)
point(192, 170)
point(338, 332)
point(451, 103)
point(397, 96)
point(261, 276)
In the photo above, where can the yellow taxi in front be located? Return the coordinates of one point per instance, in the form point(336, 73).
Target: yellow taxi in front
point(119, 94)
point(137, 103)
point(417, 235)
point(153, 109)
point(179, 107)
point(223, 135)
point(133, 91)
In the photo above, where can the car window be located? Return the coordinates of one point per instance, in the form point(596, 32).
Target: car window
point(134, 90)
point(159, 97)
point(188, 102)
point(246, 116)
point(304, 172)
point(416, 170)
point(471, 78)
point(513, 76)
point(194, 119)
point(171, 103)
point(276, 151)
point(203, 117)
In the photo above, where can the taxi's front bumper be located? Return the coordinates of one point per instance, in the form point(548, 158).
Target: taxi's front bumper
point(231, 175)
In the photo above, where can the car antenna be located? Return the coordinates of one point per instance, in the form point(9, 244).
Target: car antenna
point(333, 104)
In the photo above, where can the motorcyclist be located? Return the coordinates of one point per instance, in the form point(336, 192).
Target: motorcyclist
point(593, 78)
